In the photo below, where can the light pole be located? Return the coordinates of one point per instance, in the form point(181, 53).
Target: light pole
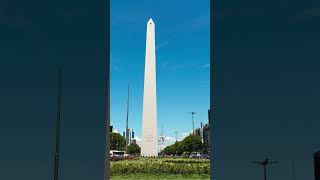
point(192, 116)
point(264, 164)
point(176, 136)
point(127, 133)
point(57, 150)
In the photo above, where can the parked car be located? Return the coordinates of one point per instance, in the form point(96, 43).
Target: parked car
point(206, 156)
point(185, 154)
point(195, 155)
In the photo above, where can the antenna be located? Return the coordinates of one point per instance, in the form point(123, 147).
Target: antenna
point(57, 150)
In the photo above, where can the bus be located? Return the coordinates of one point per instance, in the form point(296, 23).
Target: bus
point(115, 153)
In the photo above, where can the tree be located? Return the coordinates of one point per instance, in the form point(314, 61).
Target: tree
point(117, 142)
point(134, 149)
point(191, 143)
point(172, 149)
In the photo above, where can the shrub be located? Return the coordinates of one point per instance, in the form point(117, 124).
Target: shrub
point(156, 165)
point(114, 158)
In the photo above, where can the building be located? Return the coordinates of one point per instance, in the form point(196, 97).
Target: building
point(197, 132)
point(204, 134)
point(206, 138)
point(317, 165)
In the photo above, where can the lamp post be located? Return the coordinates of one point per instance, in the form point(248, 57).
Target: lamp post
point(264, 164)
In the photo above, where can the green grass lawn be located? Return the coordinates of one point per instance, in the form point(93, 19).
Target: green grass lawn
point(159, 176)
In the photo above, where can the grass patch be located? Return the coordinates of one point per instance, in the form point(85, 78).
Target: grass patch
point(159, 176)
point(159, 166)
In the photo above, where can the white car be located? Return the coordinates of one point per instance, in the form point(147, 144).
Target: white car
point(115, 153)
point(195, 155)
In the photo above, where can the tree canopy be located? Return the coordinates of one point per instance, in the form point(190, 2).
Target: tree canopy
point(134, 148)
point(117, 142)
point(189, 144)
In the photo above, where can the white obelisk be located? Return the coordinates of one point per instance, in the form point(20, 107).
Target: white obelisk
point(149, 144)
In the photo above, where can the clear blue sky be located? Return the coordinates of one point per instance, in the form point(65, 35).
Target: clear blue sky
point(182, 58)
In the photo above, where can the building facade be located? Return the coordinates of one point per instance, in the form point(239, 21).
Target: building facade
point(206, 138)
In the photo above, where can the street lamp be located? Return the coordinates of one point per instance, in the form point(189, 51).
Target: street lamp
point(264, 164)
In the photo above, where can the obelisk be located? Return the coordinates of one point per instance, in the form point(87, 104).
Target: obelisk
point(149, 144)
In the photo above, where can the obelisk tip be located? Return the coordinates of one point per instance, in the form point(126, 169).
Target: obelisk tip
point(150, 21)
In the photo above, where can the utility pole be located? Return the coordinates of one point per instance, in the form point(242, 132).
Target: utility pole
point(201, 136)
point(127, 129)
point(57, 150)
point(192, 115)
point(176, 141)
point(176, 136)
point(201, 132)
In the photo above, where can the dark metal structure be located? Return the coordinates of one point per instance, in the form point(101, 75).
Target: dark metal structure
point(57, 150)
point(264, 164)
